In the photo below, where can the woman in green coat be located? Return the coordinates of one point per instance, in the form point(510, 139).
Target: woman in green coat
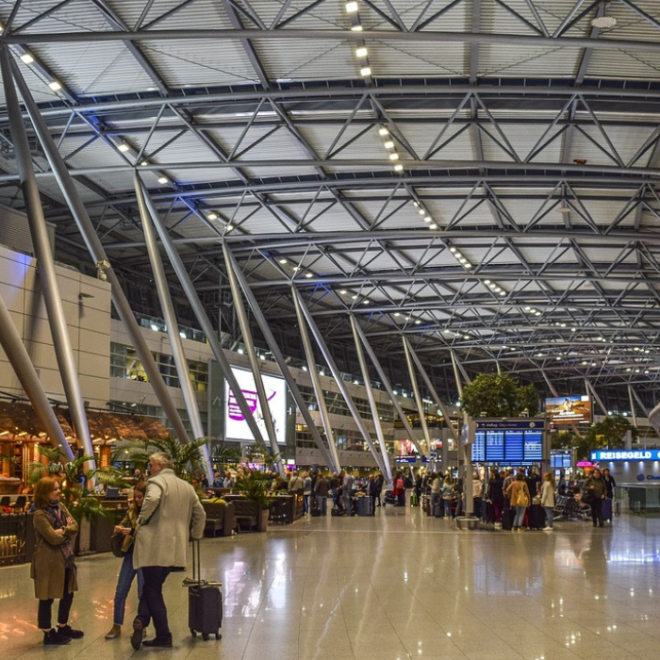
point(53, 568)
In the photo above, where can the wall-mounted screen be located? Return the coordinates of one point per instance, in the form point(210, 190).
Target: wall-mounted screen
point(508, 442)
point(236, 427)
point(561, 459)
point(569, 409)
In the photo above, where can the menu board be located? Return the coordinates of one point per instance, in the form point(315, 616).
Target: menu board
point(508, 443)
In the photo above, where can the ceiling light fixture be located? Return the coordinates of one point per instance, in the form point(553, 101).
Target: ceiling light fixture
point(144, 163)
point(163, 180)
point(433, 226)
point(212, 216)
point(230, 227)
point(351, 7)
point(382, 131)
point(309, 275)
point(604, 22)
point(123, 147)
point(283, 261)
point(398, 167)
point(394, 156)
point(55, 86)
point(26, 58)
point(361, 51)
point(389, 144)
point(365, 71)
point(356, 28)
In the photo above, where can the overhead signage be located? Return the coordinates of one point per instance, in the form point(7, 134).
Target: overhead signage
point(626, 455)
point(561, 459)
point(569, 409)
point(504, 424)
point(508, 442)
point(405, 459)
point(236, 428)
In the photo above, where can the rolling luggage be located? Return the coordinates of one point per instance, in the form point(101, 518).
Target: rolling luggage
point(489, 513)
point(607, 510)
point(314, 507)
point(414, 500)
point(438, 509)
point(536, 515)
point(337, 511)
point(389, 498)
point(365, 506)
point(204, 602)
point(426, 505)
point(507, 519)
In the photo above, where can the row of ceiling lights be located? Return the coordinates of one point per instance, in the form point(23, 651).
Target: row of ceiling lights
point(296, 267)
point(390, 147)
point(429, 220)
point(214, 217)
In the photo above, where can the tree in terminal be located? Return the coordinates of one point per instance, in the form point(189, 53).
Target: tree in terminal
point(499, 395)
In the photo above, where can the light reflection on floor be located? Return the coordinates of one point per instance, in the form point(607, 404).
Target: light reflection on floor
point(394, 587)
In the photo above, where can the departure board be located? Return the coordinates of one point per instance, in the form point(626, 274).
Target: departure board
point(494, 446)
point(508, 442)
point(533, 445)
point(479, 447)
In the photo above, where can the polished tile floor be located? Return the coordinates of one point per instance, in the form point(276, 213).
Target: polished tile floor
point(393, 587)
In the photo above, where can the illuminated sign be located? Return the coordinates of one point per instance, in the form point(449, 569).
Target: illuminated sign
point(236, 428)
point(508, 442)
point(568, 409)
point(626, 455)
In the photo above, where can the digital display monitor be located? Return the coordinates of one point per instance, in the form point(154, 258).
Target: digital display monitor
point(561, 459)
point(508, 443)
point(569, 409)
point(236, 428)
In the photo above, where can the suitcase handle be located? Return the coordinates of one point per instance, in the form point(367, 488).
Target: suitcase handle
point(197, 562)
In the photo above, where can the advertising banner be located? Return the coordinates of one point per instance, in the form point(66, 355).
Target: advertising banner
point(236, 427)
point(569, 409)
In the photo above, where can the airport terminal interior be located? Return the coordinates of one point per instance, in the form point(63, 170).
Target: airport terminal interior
point(301, 233)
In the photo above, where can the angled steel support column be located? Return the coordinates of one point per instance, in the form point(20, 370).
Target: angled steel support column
point(590, 388)
point(277, 354)
point(639, 401)
point(96, 251)
point(388, 387)
point(18, 356)
point(372, 401)
point(434, 394)
point(418, 397)
point(202, 317)
point(339, 381)
point(632, 405)
point(316, 382)
point(45, 263)
point(466, 447)
point(254, 366)
point(180, 362)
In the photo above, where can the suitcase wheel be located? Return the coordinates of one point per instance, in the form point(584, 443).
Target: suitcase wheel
point(193, 632)
point(205, 637)
point(218, 635)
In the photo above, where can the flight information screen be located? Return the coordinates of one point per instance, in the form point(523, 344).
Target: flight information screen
point(508, 442)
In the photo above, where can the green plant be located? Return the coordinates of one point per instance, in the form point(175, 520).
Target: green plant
point(255, 486)
point(76, 495)
point(184, 455)
point(499, 395)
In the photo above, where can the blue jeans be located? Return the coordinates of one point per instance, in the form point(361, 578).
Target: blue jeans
point(306, 503)
point(519, 517)
point(447, 504)
point(124, 583)
point(322, 501)
point(549, 516)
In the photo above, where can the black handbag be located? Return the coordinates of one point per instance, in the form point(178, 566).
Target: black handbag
point(117, 544)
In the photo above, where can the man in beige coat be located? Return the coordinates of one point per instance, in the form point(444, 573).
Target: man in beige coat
point(170, 516)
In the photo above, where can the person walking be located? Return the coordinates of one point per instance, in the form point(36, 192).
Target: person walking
point(125, 532)
point(53, 568)
point(595, 490)
point(518, 493)
point(347, 491)
point(548, 500)
point(307, 491)
point(496, 496)
point(170, 516)
point(447, 491)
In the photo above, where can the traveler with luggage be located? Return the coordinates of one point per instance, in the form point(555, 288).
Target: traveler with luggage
point(518, 493)
point(170, 516)
point(496, 496)
point(436, 495)
point(379, 480)
point(595, 491)
point(122, 545)
point(53, 567)
point(548, 500)
point(307, 491)
point(347, 491)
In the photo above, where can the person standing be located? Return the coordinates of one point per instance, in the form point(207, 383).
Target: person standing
point(548, 500)
point(296, 482)
point(379, 480)
point(307, 491)
point(126, 531)
point(596, 490)
point(170, 516)
point(53, 567)
point(347, 491)
point(436, 493)
point(518, 493)
point(447, 492)
point(321, 493)
point(496, 496)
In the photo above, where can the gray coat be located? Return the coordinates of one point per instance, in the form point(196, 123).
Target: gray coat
point(170, 516)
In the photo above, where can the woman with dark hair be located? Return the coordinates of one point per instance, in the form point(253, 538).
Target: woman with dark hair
point(125, 533)
point(496, 496)
point(595, 490)
point(53, 568)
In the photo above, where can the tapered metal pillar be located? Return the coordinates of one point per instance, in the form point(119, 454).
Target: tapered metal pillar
point(418, 397)
point(465, 445)
point(180, 362)
point(19, 359)
point(277, 354)
point(96, 251)
point(642, 407)
point(590, 389)
point(316, 383)
point(45, 263)
point(372, 400)
point(339, 382)
point(254, 366)
point(432, 391)
point(388, 387)
point(632, 405)
point(202, 318)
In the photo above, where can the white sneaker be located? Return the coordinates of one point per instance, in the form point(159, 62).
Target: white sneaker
point(548, 529)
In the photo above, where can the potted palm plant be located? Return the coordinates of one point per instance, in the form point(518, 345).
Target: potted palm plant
point(254, 485)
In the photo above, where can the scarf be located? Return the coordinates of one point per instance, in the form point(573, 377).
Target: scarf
point(58, 520)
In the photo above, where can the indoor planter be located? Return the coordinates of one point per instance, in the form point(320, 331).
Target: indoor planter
point(253, 484)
